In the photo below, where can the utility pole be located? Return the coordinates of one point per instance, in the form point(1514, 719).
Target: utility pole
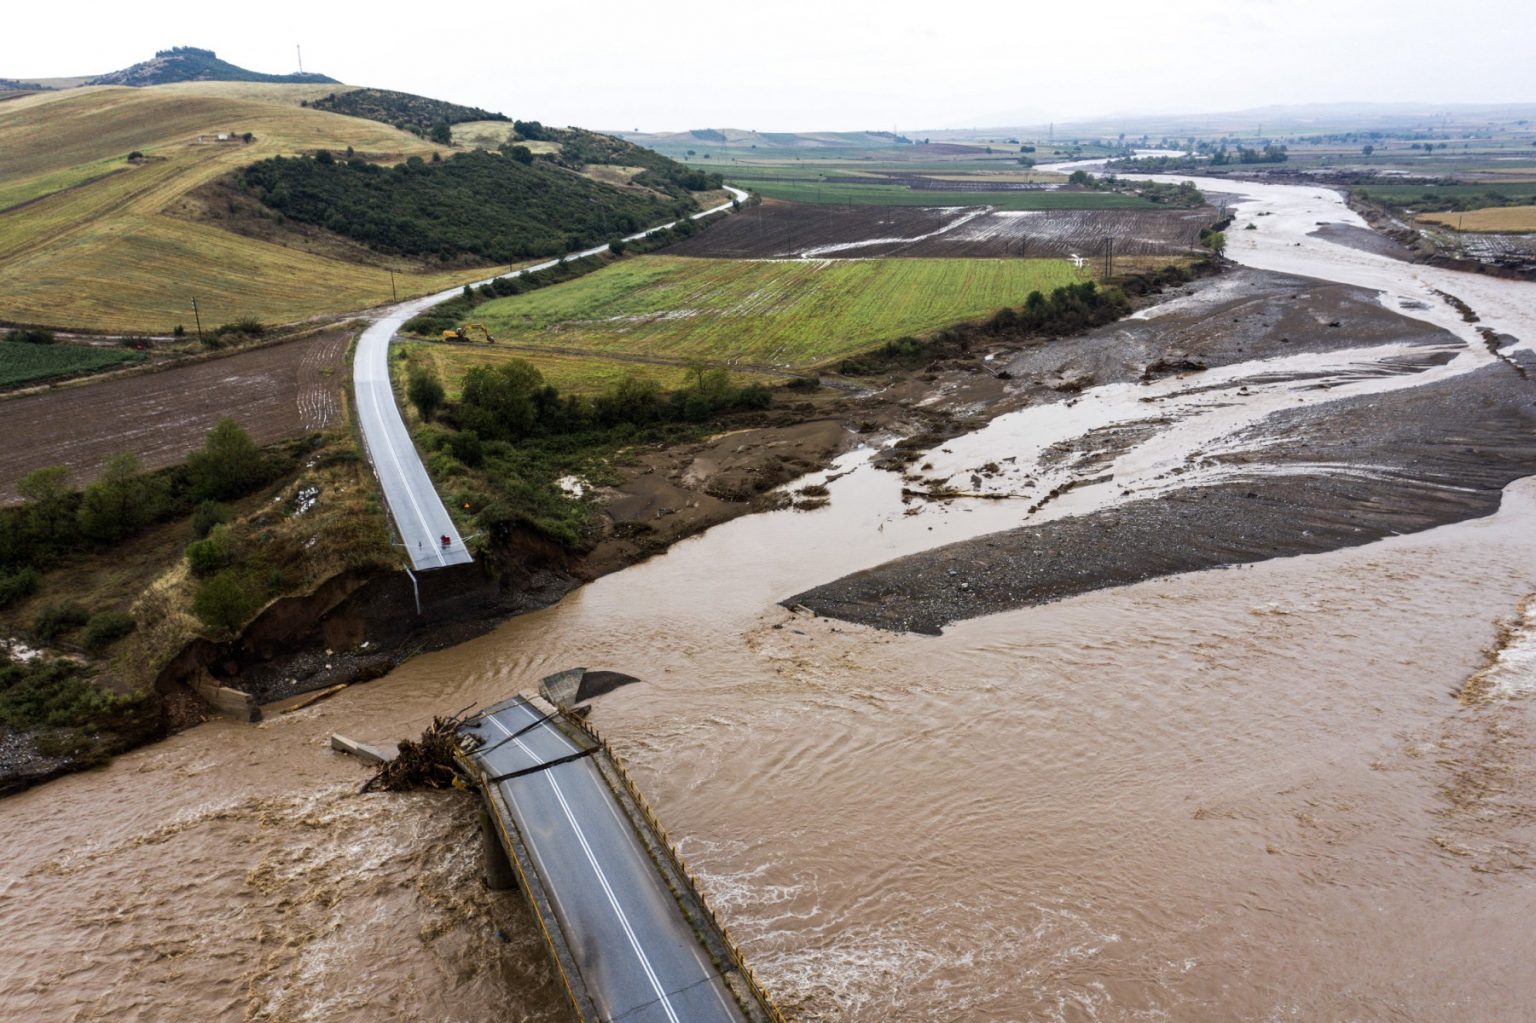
point(392, 290)
point(1109, 258)
point(198, 319)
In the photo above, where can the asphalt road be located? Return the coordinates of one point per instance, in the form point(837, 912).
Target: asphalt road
point(636, 951)
point(420, 517)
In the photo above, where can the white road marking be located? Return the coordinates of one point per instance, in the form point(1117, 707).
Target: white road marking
point(597, 869)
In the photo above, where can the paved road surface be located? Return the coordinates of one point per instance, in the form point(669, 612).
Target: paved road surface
point(636, 951)
point(419, 514)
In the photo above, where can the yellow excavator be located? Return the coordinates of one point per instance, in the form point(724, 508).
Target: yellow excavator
point(462, 333)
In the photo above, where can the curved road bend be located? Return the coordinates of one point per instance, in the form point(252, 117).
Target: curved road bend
point(638, 956)
point(420, 517)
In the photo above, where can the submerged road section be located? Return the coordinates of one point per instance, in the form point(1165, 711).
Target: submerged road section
point(630, 936)
point(426, 529)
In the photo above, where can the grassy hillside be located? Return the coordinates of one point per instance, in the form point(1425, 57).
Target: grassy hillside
point(89, 240)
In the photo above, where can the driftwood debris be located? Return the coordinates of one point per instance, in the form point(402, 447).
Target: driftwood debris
point(425, 763)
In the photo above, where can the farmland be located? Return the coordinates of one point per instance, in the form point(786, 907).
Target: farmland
point(785, 313)
point(833, 191)
point(781, 230)
point(1492, 219)
point(584, 375)
point(275, 392)
point(28, 364)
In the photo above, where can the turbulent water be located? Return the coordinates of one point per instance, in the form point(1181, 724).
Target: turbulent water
point(1299, 790)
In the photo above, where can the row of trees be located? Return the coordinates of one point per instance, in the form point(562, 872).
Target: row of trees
point(55, 519)
point(512, 402)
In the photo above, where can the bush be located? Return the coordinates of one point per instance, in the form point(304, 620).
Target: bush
point(246, 326)
point(228, 600)
point(17, 586)
point(466, 447)
point(229, 464)
point(106, 628)
point(207, 515)
point(210, 555)
point(30, 337)
point(52, 694)
point(425, 391)
point(56, 619)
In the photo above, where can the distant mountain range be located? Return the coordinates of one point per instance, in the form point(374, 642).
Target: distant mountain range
point(178, 64)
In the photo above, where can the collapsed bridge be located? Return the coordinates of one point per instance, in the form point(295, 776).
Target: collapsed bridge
point(627, 928)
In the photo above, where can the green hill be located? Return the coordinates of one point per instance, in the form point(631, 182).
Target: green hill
point(402, 109)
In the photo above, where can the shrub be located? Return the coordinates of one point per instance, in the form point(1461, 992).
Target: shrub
point(51, 693)
point(228, 600)
point(207, 515)
point(56, 619)
point(228, 465)
point(466, 447)
point(17, 586)
point(210, 555)
point(246, 326)
point(425, 391)
point(106, 628)
point(30, 336)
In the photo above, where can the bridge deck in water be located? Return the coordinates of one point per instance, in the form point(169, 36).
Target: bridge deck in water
point(629, 932)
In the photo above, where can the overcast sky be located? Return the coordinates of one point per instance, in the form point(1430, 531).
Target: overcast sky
point(827, 65)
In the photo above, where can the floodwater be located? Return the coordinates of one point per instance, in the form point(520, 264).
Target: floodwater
point(1265, 793)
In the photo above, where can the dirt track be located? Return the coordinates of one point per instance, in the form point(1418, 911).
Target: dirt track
point(786, 230)
point(275, 392)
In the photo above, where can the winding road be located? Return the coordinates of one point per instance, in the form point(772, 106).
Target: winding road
point(426, 529)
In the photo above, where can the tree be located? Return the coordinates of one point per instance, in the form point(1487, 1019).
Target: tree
point(228, 465)
point(425, 391)
point(227, 600)
point(123, 501)
point(49, 514)
point(1367, 149)
point(441, 133)
point(498, 402)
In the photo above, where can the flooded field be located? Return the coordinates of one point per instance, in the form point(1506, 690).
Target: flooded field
point(1300, 788)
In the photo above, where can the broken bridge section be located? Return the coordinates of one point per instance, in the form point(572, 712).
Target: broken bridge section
point(626, 925)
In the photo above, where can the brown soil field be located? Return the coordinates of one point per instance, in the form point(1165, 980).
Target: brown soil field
point(281, 391)
point(784, 230)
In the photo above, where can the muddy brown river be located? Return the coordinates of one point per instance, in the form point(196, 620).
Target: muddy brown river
point(1245, 794)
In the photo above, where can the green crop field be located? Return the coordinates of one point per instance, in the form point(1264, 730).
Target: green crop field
point(792, 313)
point(30, 364)
point(1523, 192)
point(833, 192)
point(570, 374)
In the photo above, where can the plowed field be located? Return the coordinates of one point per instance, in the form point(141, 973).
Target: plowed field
point(276, 392)
point(786, 230)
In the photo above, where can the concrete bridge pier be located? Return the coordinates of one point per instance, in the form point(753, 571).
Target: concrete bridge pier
point(499, 875)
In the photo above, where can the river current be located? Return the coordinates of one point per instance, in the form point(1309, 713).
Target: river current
point(1262, 793)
